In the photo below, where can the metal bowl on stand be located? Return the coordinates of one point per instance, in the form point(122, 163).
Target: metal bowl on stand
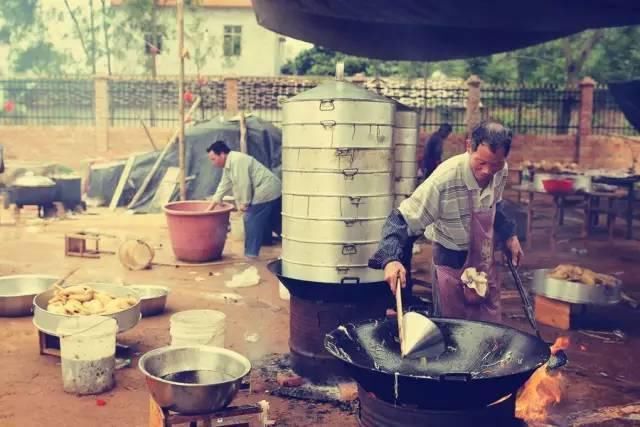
point(17, 293)
point(153, 299)
point(193, 379)
point(47, 322)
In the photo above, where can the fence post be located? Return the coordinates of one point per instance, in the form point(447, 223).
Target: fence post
point(585, 116)
point(231, 96)
point(101, 88)
point(473, 115)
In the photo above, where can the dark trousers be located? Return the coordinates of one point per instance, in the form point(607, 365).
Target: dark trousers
point(259, 221)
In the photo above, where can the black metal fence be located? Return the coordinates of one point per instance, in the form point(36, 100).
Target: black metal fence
point(155, 102)
point(607, 117)
point(47, 102)
point(541, 110)
point(528, 110)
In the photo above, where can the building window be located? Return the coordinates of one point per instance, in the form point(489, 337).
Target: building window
point(232, 40)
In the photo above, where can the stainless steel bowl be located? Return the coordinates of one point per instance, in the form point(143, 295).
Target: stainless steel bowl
point(193, 379)
point(17, 293)
point(574, 292)
point(48, 322)
point(153, 299)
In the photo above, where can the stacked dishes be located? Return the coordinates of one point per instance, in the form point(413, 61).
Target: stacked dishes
point(405, 143)
point(337, 182)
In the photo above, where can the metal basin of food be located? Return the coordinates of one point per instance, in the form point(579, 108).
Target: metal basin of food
point(17, 293)
point(193, 379)
point(153, 299)
point(575, 292)
point(48, 322)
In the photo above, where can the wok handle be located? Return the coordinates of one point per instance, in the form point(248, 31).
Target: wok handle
point(456, 377)
point(528, 308)
point(400, 315)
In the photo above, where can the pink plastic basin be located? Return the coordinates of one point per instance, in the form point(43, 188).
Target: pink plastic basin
point(197, 235)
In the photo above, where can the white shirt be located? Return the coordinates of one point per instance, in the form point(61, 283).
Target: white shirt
point(442, 203)
point(249, 180)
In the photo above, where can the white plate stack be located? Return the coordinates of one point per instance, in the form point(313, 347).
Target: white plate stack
point(405, 143)
point(337, 175)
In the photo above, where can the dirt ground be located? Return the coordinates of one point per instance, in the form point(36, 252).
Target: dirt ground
point(30, 384)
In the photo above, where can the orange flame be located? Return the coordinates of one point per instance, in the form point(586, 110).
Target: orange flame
point(543, 390)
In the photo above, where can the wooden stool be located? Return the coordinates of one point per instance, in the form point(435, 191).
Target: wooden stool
point(77, 244)
point(594, 209)
point(244, 415)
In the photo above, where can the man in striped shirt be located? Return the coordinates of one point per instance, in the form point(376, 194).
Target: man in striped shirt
point(460, 202)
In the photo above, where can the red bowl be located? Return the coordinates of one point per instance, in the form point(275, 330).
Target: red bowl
point(558, 186)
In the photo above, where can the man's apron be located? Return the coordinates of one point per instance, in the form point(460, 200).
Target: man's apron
point(449, 298)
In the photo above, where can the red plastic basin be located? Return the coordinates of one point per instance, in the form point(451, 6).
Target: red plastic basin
point(197, 235)
point(558, 186)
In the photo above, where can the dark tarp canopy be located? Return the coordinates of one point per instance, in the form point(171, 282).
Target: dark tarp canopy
point(432, 30)
point(627, 96)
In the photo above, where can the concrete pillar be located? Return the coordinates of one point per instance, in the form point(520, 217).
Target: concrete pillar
point(101, 87)
point(473, 115)
point(231, 96)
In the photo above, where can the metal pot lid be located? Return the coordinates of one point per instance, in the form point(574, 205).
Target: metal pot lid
point(33, 181)
point(339, 90)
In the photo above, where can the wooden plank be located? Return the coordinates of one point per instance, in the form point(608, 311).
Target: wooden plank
point(629, 412)
point(553, 313)
point(124, 177)
point(166, 188)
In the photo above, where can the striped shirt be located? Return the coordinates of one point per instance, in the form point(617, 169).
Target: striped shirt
point(249, 180)
point(442, 203)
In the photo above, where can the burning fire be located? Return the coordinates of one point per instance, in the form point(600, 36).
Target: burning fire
point(543, 390)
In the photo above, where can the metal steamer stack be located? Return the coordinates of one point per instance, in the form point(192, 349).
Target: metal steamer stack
point(405, 143)
point(337, 190)
point(337, 174)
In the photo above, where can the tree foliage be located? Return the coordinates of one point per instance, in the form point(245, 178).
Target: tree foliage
point(610, 54)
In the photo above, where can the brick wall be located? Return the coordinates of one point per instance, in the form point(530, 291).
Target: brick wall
point(72, 145)
point(595, 151)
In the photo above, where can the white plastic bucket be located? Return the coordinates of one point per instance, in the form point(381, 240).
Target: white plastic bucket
point(284, 292)
point(237, 226)
point(87, 351)
point(198, 327)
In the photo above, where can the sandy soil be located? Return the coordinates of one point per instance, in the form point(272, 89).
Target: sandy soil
point(30, 384)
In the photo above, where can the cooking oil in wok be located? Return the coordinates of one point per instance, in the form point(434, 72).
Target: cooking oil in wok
point(199, 376)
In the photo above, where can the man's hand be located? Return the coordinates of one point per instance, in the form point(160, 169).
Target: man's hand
point(514, 250)
point(243, 207)
point(391, 271)
point(212, 206)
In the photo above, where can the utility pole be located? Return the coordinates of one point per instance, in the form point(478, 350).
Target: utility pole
point(181, 53)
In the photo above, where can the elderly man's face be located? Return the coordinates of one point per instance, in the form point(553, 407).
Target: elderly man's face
point(485, 163)
point(218, 160)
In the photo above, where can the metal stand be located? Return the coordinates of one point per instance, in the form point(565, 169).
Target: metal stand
point(50, 346)
point(243, 415)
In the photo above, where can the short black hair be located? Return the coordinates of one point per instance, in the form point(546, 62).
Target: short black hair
point(445, 128)
point(219, 147)
point(492, 133)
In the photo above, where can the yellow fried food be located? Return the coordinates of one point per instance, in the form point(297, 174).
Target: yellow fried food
point(56, 308)
point(76, 289)
point(94, 306)
point(102, 297)
point(573, 273)
point(82, 297)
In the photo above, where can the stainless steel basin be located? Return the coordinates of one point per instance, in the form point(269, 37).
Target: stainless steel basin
point(17, 293)
point(153, 299)
point(193, 379)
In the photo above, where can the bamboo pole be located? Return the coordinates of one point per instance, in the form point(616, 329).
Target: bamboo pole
point(181, 52)
point(164, 151)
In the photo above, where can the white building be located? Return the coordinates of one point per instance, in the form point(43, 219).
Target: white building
point(221, 36)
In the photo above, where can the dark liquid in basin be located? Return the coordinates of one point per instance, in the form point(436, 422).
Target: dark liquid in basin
point(200, 376)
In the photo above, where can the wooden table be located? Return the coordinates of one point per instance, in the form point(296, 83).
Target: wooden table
point(628, 183)
point(560, 201)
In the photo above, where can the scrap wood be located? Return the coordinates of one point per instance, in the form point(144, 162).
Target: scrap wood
point(629, 412)
point(161, 156)
point(122, 181)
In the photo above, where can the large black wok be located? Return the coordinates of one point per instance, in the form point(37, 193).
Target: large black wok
point(478, 364)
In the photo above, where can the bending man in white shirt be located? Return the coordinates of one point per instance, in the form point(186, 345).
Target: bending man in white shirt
point(257, 192)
